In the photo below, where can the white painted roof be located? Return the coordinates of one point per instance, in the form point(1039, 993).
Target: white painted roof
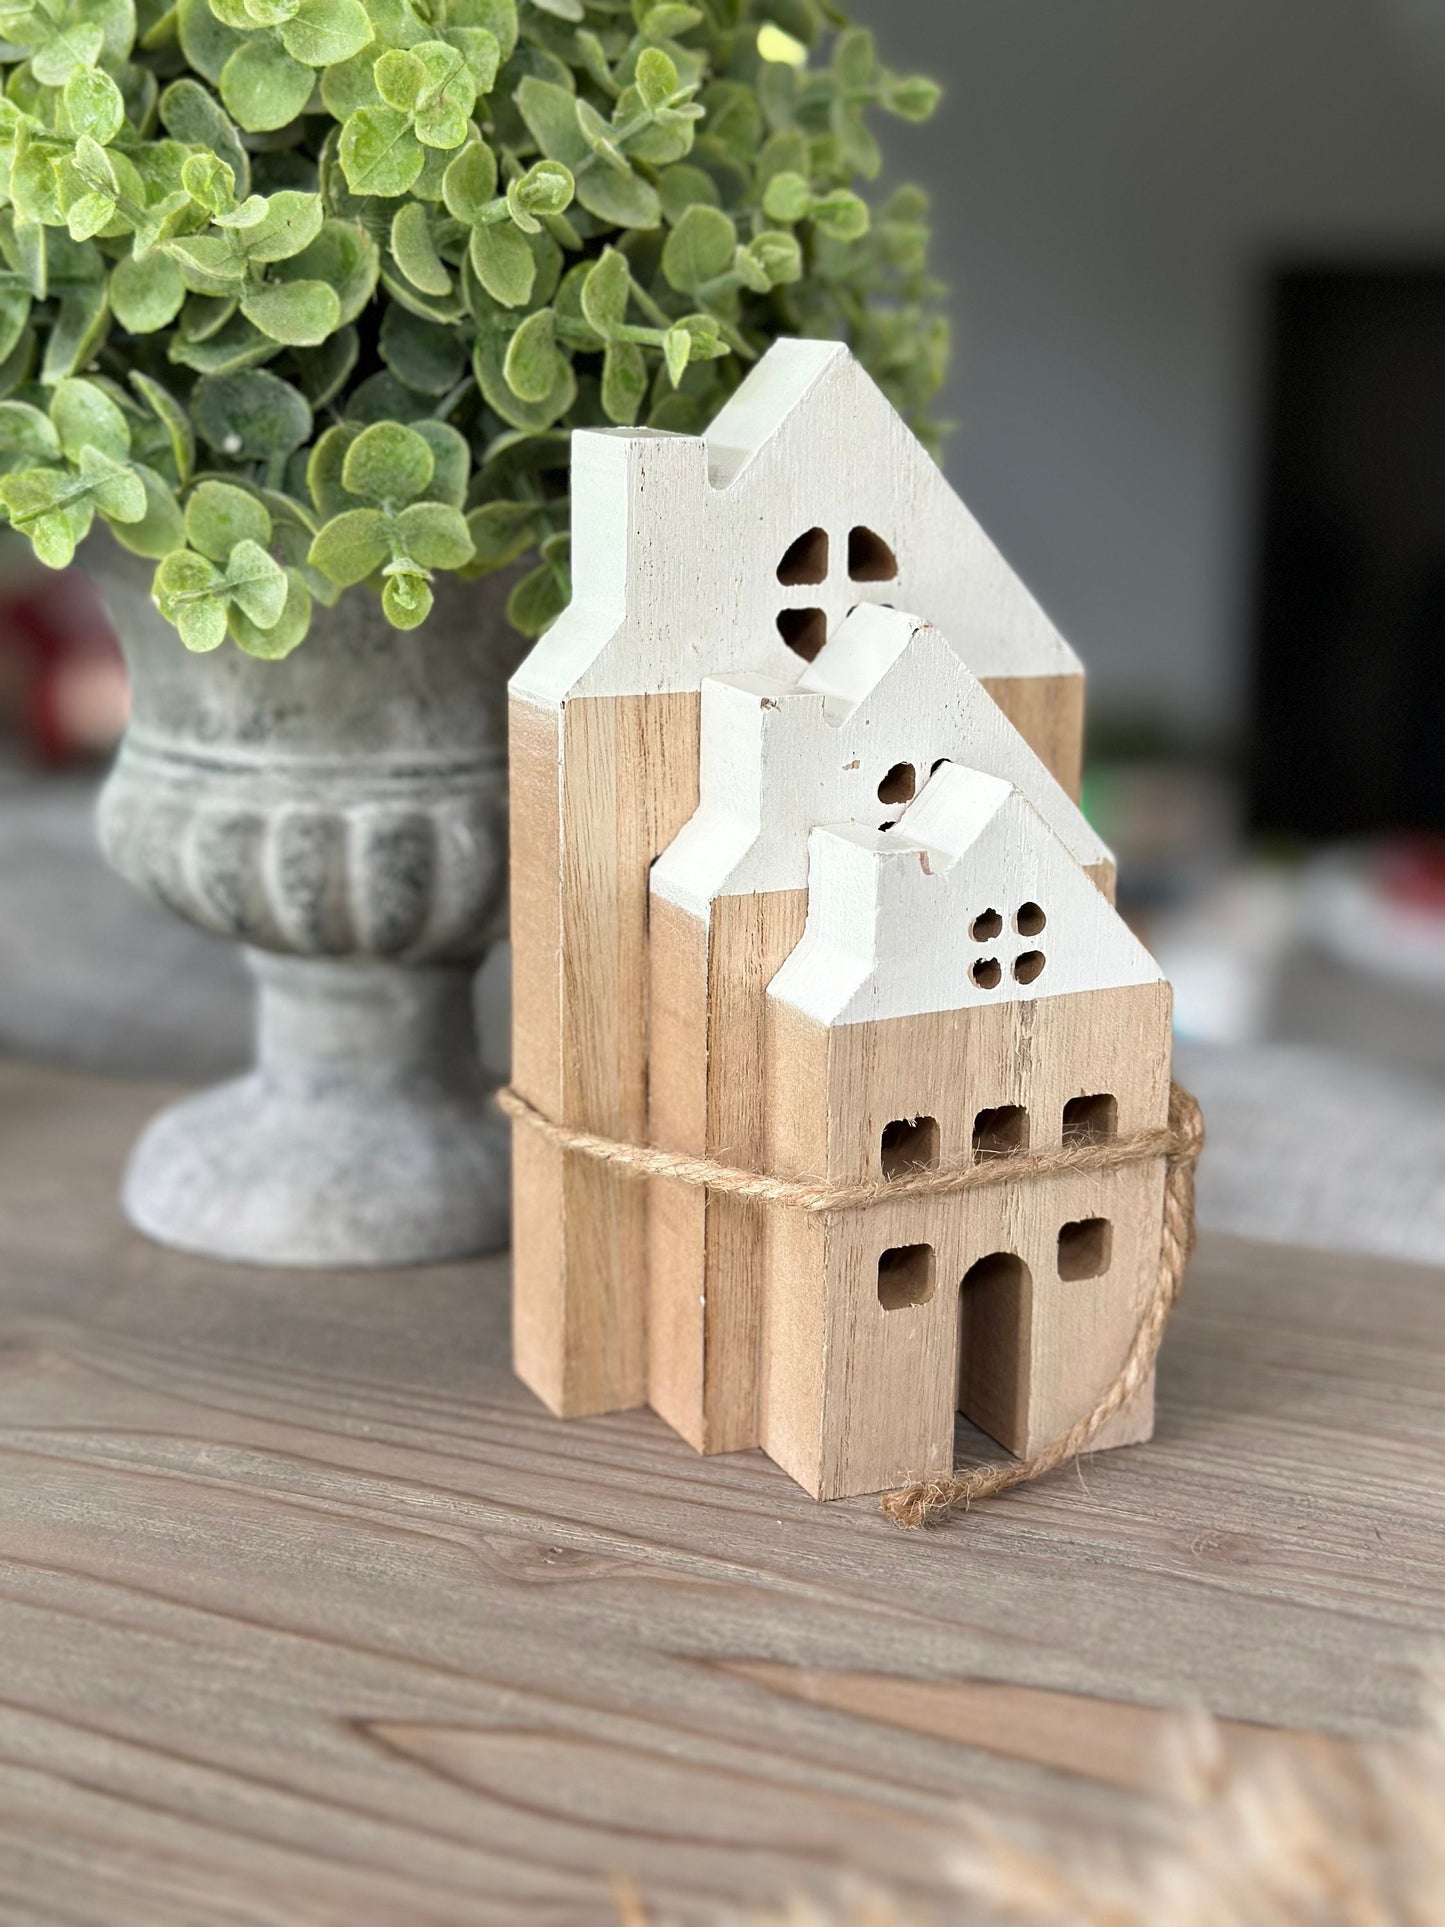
point(890, 916)
point(677, 541)
point(778, 760)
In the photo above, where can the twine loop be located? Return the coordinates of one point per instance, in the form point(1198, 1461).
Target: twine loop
point(1180, 1144)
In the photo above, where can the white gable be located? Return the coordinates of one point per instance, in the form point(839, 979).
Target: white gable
point(891, 916)
point(677, 541)
point(779, 760)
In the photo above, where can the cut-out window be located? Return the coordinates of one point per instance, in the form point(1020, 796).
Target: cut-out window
point(1030, 921)
point(1000, 1132)
point(806, 560)
point(910, 1146)
point(987, 973)
point(804, 630)
point(1085, 1249)
point(1029, 967)
point(987, 927)
point(1091, 1120)
point(869, 558)
point(900, 785)
point(906, 1276)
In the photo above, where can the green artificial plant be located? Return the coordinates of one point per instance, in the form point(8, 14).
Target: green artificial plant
point(300, 294)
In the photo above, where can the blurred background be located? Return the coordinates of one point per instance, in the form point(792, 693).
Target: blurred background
point(1196, 250)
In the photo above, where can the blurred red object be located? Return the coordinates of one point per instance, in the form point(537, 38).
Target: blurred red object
point(1412, 870)
point(63, 688)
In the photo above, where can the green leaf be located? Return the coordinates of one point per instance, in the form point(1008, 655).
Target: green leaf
point(160, 529)
point(174, 419)
point(677, 352)
point(399, 78)
point(682, 187)
point(625, 200)
point(324, 371)
point(406, 598)
point(916, 99)
point(699, 249)
point(256, 584)
point(550, 113)
point(146, 295)
point(36, 500)
point(656, 79)
point(185, 592)
point(379, 152)
point(532, 367)
point(324, 466)
point(26, 436)
point(842, 216)
point(423, 354)
point(291, 222)
point(347, 259)
point(352, 546)
point(538, 600)
point(85, 415)
point(300, 313)
point(76, 331)
point(469, 185)
point(286, 633)
point(451, 459)
point(504, 264)
point(115, 488)
point(415, 252)
point(322, 33)
point(500, 532)
point(190, 114)
point(546, 190)
point(488, 365)
point(219, 516)
point(775, 259)
point(229, 350)
point(624, 382)
point(607, 292)
point(443, 107)
point(93, 104)
point(435, 535)
point(787, 197)
point(251, 416)
point(263, 87)
point(387, 463)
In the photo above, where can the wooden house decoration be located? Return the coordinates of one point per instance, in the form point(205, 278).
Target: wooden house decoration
point(800, 885)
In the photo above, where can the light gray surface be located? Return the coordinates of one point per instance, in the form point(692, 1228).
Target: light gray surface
point(1323, 1148)
point(94, 975)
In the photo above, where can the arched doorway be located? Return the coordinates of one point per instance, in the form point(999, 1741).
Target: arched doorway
point(995, 1311)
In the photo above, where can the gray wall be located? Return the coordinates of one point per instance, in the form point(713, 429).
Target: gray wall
point(1111, 178)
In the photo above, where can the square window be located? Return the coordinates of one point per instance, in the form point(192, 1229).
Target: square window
point(1001, 1132)
point(1091, 1120)
point(910, 1146)
point(906, 1276)
point(1085, 1249)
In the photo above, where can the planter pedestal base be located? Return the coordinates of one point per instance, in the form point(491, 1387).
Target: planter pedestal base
point(366, 1135)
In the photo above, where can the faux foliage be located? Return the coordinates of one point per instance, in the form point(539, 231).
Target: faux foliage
point(300, 294)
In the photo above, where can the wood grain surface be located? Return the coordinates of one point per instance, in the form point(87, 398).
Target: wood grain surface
point(310, 1613)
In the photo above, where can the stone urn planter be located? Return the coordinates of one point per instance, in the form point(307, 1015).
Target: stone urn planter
point(343, 815)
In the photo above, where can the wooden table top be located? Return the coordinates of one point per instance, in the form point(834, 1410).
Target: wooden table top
point(310, 1613)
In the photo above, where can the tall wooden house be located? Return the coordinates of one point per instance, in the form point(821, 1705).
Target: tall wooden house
point(731, 713)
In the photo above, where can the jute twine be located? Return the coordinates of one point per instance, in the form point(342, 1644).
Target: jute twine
point(929, 1500)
